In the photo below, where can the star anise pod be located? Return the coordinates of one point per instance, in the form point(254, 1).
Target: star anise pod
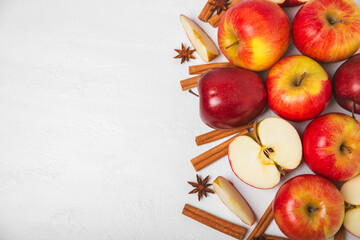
point(184, 53)
point(201, 187)
point(219, 5)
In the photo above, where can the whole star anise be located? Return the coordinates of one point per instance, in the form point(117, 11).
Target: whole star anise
point(219, 5)
point(184, 53)
point(201, 187)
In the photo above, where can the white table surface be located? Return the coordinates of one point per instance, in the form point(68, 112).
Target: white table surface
point(96, 134)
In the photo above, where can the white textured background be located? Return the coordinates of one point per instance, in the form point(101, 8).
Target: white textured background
point(96, 134)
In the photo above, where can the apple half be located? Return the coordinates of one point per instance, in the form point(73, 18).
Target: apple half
point(351, 194)
point(203, 44)
point(233, 200)
point(260, 160)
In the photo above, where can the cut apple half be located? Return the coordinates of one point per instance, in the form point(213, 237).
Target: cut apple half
point(203, 44)
point(233, 200)
point(351, 194)
point(261, 160)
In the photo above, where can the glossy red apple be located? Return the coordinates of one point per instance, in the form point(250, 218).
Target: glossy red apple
point(347, 84)
point(230, 97)
point(254, 34)
point(331, 146)
point(308, 207)
point(327, 30)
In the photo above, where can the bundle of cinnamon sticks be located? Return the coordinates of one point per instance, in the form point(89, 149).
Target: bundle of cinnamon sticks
point(208, 13)
point(232, 229)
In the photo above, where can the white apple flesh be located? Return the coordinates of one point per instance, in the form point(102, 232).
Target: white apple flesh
point(261, 163)
point(233, 200)
point(351, 194)
point(203, 44)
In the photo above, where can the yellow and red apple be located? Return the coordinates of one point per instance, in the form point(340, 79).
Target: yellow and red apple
point(331, 145)
point(254, 34)
point(308, 207)
point(298, 88)
point(327, 30)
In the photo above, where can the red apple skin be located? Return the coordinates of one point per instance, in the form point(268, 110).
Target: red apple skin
point(262, 31)
point(323, 142)
point(316, 37)
point(230, 97)
point(347, 84)
point(298, 103)
point(292, 204)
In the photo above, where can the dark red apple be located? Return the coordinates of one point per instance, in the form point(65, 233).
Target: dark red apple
point(230, 97)
point(347, 84)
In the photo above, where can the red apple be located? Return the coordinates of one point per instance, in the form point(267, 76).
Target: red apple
point(331, 145)
point(254, 34)
point(308, 207)
point(230, 97)
point(327, 30)
point(298, 88)
point(347, 84)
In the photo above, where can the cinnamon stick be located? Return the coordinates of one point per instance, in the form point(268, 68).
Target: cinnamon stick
point(206, 12)
point(270, 237)
point(263, 223)
point(340, 235)
point(215, 19)
point(218, 134)
point(199, 69)
point(189, 83)
point(214, 222)
point(214, 154)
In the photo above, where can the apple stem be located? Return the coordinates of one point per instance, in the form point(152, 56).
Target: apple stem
point(234, 43)
point(301, 78)
point(353, 111)
point(349, 206)
point(280, 169)
point(312, 210)
point(332, 21)
point(345, 149)
point(193, 93)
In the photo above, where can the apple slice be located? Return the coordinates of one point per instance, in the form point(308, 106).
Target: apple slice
point(233, 200)
point(351, 194)
point(203, 44)
point(261, 160)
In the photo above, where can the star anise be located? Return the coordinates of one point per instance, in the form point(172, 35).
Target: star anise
point(219, 5)
point(201, 187)
point(184, 53)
